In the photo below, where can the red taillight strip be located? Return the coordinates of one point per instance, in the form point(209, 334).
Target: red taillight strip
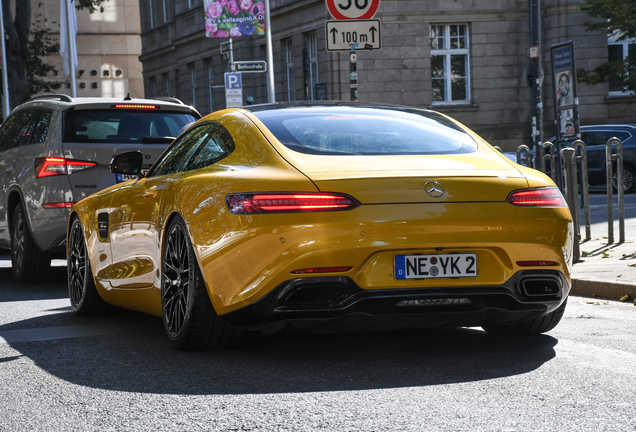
point(540, 197)
point(134, 106)
point(289, 202)
point(322, 270)
point(59, 205)
point(536, 263)
point(52, 166)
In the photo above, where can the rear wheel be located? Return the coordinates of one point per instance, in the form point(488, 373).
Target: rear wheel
point(188, 315)
point(28, 262)
point(85, 299)
point(629, 180)
point(534, 326)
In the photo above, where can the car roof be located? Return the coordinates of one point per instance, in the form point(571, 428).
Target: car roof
point(62, 102)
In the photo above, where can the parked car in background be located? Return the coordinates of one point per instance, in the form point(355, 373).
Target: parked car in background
point(55, 150)
point(595, 138)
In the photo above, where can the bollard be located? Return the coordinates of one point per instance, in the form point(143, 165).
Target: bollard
point(498, 149)
point(585, 189)
point(610, 156)
point(569, 160)
point(552, 157)
point(527, 161)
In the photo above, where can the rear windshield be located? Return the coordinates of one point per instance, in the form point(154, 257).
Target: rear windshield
point(365, 131)
point(123, 126)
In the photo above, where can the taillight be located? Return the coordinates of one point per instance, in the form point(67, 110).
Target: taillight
point(540, 197)
point(52, 166)
point(58, 205)
point(289, 202)
point(536, 263)
point(322, 270)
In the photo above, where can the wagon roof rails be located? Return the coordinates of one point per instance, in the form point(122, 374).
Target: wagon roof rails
point(168, 99)
point(61, 97)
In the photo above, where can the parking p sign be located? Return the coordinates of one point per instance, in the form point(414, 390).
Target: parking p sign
point(233, 90)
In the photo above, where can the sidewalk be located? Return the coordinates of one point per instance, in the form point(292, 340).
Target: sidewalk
point(606, 270)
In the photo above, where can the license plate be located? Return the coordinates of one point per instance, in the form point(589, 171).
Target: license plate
point(126, 177)
point(455, 265)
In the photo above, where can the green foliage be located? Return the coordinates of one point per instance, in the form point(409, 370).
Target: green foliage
point(616, 17)
point(91, 5)
point(41, 44)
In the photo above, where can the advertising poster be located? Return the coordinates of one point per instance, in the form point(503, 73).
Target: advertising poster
point(566, 123)
point(234, 18)
point(564, 88)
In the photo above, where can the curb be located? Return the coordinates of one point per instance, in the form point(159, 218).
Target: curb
point(603, 289)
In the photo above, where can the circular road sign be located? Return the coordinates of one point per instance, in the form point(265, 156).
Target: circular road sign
point(352, 9)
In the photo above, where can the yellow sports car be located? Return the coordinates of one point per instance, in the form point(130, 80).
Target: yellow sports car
point(324, 217)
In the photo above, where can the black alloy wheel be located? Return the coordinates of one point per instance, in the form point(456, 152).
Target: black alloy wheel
point(188, 315)
point(85, 300)
point(28, 262)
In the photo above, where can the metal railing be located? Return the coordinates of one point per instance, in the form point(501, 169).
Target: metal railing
point(572, 194)
point(585, 188)
point(524, 160)
point(610, 157)
point(552, 157)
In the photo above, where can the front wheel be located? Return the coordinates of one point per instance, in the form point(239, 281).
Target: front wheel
point(28, 262)
point(534, 326)
point(85, 299)
point(629, 180)
point(188, 315)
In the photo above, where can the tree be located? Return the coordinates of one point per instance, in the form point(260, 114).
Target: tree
point(24, 49)
point(616, 17)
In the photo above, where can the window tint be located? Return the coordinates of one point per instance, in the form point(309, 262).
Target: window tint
point(41, 127)
point(328, 130)
point(5, 131)
point(123, 126)
point(21, 134)
point(594, 138)
point(200, 147)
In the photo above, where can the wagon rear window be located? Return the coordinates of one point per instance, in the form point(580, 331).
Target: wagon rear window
point(365, 131)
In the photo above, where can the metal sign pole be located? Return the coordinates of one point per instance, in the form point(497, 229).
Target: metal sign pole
point(6, 108)
point(271, 91)
point(353, 76)
point(72, 51)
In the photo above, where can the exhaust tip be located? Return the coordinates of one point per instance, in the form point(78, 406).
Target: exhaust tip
point(541, 287)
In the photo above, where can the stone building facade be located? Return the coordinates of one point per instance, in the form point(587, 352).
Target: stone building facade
point(484, 44)
point(108, 48)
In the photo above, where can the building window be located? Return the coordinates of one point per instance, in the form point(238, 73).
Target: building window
point(152, 87)
point(209, 72)
point(165, 78)
point(619, 51)
point(193, 80)
point(450, 63)
point(165, 12)
point(190, 4)
point(289, 67)
point(310, 65)
point(152, 13)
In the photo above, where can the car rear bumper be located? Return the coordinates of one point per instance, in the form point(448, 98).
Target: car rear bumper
point(332, 303)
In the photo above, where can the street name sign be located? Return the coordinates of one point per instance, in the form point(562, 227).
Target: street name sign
point(354, 35)
point(250, 66)
point(352, 9)
point(233, 90)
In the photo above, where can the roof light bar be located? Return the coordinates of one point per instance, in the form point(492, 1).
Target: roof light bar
point(539, 197)
point(134, 106)
point(289, 202)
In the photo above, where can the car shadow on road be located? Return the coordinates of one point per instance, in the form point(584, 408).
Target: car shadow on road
point(53, 288)
point(130, 353)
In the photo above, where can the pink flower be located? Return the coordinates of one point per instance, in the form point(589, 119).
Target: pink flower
point(235, 32)
point(246, 4)
point(213, 10)
point(221, 33)
point(233, 7)
point(258, 9)
point(210, 27)
point(223, 3)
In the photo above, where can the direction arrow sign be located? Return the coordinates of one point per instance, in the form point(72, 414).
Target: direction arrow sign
point(353, 35)
point(251, 66)
point(233, 90)
point(352, 9)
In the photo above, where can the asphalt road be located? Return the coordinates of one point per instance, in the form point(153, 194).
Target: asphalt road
point(59, 372)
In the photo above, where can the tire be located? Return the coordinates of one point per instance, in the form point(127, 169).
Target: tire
point(629, 180)
point(534, 326)
point(188, 315)
point(28, 262)
point(85, 300)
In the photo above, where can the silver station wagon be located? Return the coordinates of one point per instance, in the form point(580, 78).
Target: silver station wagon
point(55, 150)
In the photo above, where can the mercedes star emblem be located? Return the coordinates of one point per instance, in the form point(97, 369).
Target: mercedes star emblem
point(434, 189)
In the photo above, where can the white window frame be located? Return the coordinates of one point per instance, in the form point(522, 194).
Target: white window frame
point(289, 67)
point(447, 52)
point(612, 40)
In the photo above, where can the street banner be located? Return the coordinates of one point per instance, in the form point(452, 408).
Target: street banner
point(234, 18)
point(566, 102)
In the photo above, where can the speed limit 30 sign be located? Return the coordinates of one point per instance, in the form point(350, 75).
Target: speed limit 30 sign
point(352, 9)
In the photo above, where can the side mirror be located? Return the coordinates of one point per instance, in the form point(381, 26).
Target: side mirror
point(127, 163)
